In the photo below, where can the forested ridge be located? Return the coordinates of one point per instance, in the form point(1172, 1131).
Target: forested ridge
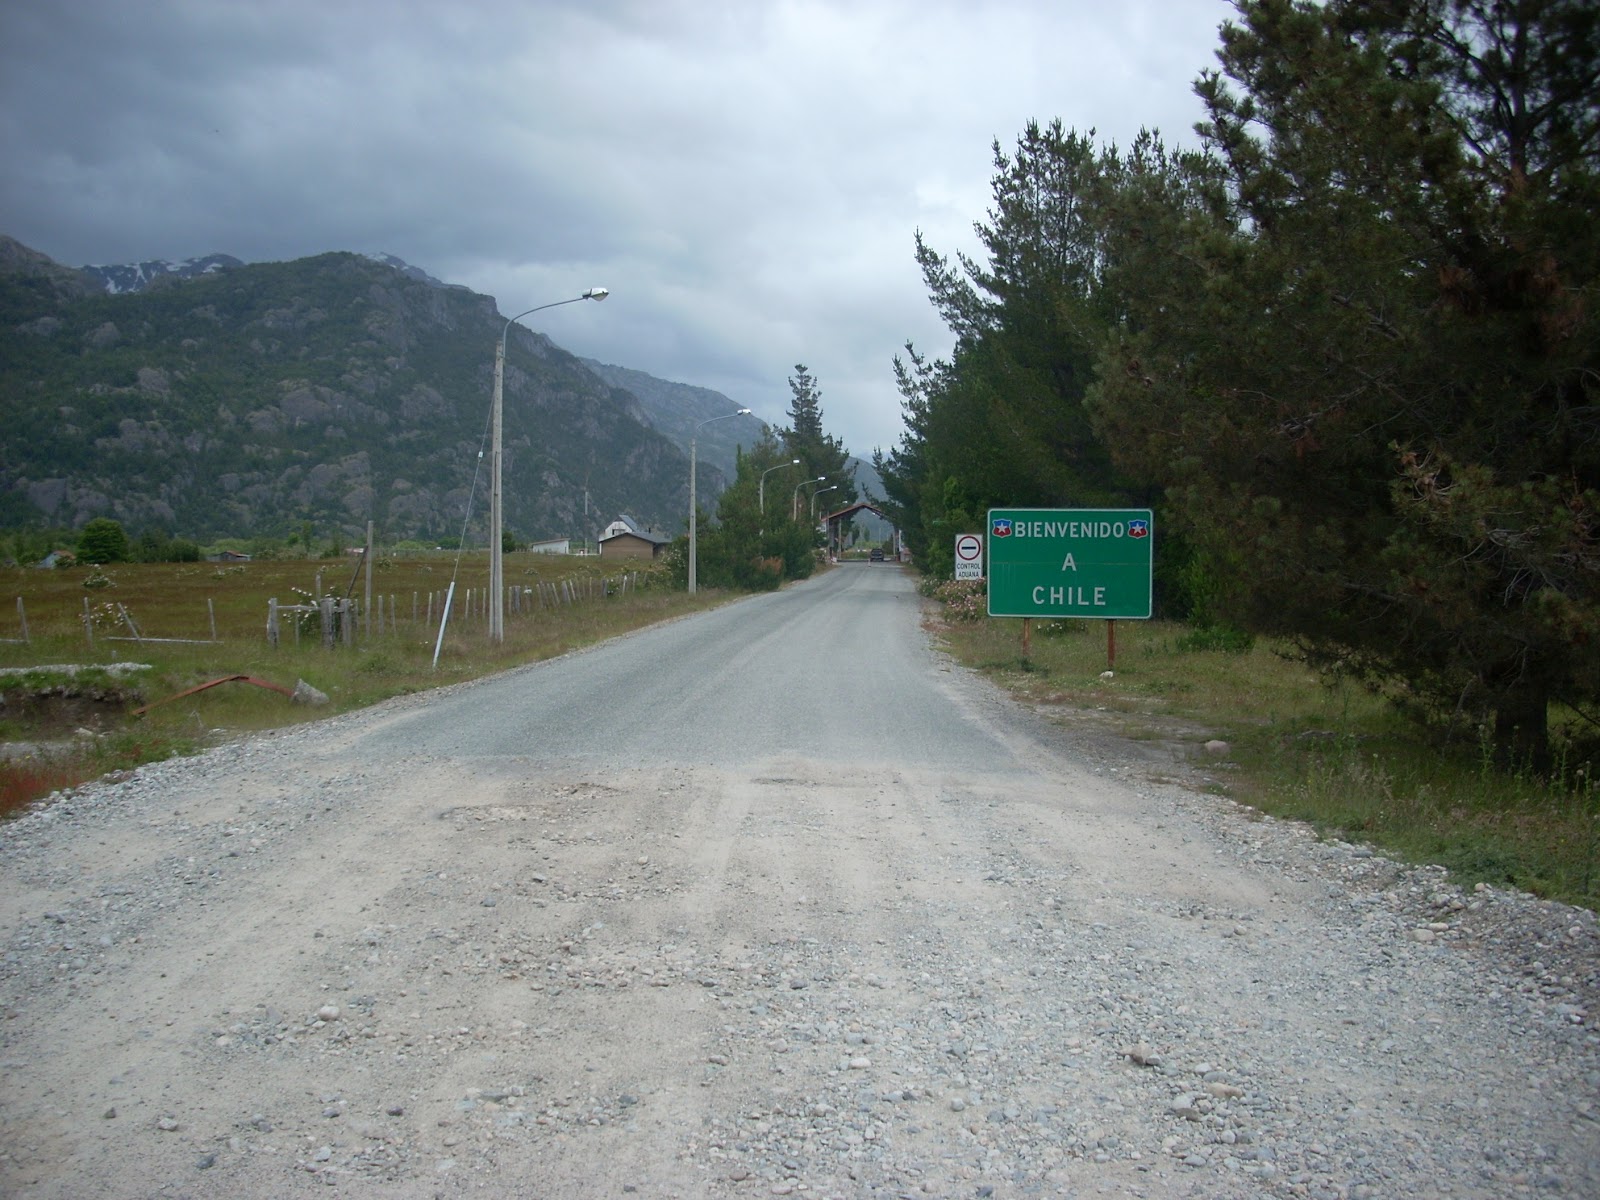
point(1347, 348)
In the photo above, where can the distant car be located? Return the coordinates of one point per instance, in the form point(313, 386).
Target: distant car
point(875, 556)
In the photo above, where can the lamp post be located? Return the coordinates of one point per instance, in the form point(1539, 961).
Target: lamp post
point(497, 591)
point(761, 496)
point(693, 520)
point(761, 488)
point(794, 500)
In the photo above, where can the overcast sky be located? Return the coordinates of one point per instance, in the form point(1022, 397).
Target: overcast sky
point(745, 176)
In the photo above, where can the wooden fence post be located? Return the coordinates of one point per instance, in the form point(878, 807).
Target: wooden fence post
point(22, 615)
point(347, 624)
point(325, 607)
point(211, 609)
point(272, 622)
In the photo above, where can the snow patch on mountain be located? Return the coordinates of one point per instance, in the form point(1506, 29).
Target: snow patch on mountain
point(122, 278)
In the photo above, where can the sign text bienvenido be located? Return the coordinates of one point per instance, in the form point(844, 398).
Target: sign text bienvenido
point(1070, 562)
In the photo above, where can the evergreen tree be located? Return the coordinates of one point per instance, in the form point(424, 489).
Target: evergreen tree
point(818, 452)
point(1360, 345)
point(103, 541)
point(754, 546)
point(1004, 421)
point(805, 409)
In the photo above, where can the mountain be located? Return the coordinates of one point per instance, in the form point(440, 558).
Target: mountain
point(258, 399)
point(37, 279)
point(675, 409)
point(410, 272)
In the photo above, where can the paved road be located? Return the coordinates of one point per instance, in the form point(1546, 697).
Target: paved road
point(837, 669)
point(769, 901)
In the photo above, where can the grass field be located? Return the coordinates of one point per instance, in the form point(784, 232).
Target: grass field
point(1335, 756)
point(181, 601)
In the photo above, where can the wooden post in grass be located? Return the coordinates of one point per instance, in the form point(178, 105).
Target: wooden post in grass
point(325, 609)
point(88, 622)
point(272, 622)
point(211, 609)
point(1111, 645)
point(22, 615)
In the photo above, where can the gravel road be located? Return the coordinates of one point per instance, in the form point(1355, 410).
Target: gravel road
point(770, 901)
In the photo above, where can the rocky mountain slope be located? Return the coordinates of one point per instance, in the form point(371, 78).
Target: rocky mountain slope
point(675, 409)
point(260, 399)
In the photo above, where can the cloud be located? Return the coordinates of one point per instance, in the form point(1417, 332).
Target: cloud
point(746, 177)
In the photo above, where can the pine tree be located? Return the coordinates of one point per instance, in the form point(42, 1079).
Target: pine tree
point(1360, 345)
point(818, 452)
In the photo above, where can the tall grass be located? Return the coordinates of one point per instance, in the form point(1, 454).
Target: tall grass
point(1333, 755)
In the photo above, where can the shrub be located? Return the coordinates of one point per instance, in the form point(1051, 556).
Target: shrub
point(103, 541)
point(963, 599)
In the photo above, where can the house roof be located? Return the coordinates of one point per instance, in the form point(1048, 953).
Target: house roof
point(851, 510)
point(648, 535)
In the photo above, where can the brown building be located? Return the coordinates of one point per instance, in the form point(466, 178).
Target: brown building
point(623, 538)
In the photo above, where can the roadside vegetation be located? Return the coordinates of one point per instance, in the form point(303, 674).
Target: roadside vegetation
point(61, 729)
point(1347, 349)
point(1303, 745)
point(1344, 347)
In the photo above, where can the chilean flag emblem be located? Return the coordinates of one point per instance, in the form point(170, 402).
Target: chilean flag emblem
point(1002, 528)
point(1138, 529)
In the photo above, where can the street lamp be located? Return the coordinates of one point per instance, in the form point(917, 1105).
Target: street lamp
point(693, 546)
point(761, 488)
point(834, 487)
point(497, 590)
point(794, 500)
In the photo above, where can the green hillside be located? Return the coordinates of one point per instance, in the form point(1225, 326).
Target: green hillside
point(326, 391)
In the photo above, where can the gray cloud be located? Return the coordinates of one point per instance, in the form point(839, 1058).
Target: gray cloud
point(745, 177)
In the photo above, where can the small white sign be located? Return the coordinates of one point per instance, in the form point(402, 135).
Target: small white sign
point(969, 556)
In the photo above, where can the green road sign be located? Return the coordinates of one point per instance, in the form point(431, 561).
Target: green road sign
point(1070, 562)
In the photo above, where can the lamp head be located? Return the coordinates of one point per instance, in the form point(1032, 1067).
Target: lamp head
point(596, 294)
